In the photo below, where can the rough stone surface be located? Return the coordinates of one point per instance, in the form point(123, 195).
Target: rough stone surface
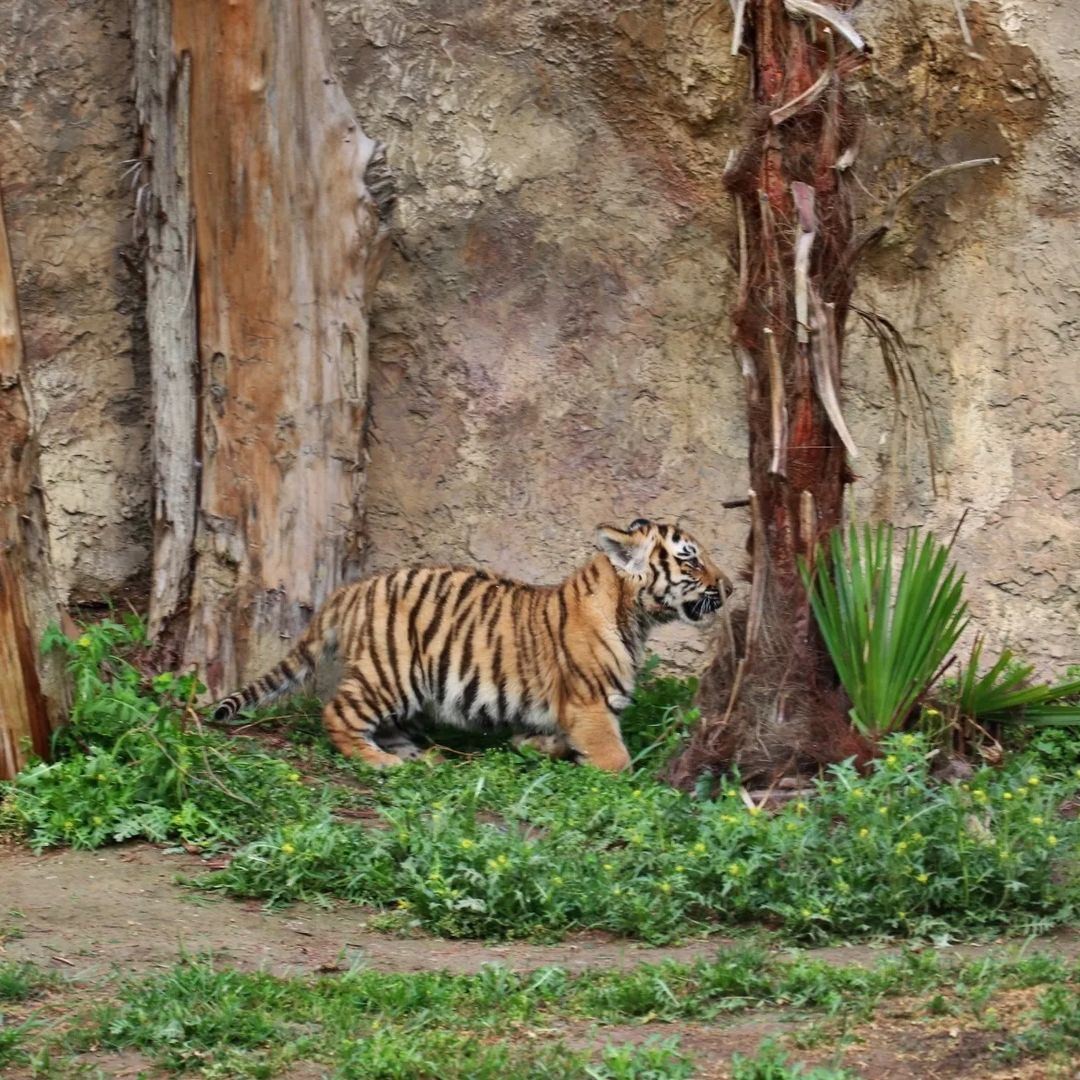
point(549, 347)
point(66, 139)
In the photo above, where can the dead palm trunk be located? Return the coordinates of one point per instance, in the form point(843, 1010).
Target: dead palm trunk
point(769, 701)
point(30, 692)
point(264, 244)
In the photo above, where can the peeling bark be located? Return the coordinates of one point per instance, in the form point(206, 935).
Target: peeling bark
point(253, 140)
point(162, 100)
point(774, 707)
point(27, 601)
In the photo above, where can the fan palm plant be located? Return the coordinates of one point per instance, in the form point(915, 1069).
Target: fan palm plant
point(888, 639)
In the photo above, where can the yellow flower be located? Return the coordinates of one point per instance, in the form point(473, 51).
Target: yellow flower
point(728, 819)
point(556, 880)
point(493, 864)
point(806, 913)
point(679, 869)
point(665, 887)
point(434, 876)
point(635, 838)
point(404, 905)
point(294, 776)
point(1003, 855)
point(102, 778)
point(891, 759)
point(1034, 781)
point(933, 712)
point(902, 846)
point(979, 795)
point(907, 740)
point(609, 866)
point(699, 848)
point(503, 860)
point(753, 810)
point(1051, 840)
point(287, 848)
point(836, 860)
point(843, 886)
point(636, 793)
point(69, 824)
point(792, 827)
point(882, 810)
point(864, 832)
point(466, 844)
point(84, 642)
point(857, 792)
point(734, 869)
point(825, 912)
point(800, 807)
point(617, 890)
point(1007, 796)
point(922, 879)
point(1037, 820)
point(1020, 792)
point(101, 821)
point(917, 836)
point(901, 914)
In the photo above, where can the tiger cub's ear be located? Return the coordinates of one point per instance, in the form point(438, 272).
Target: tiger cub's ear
point(625, 552)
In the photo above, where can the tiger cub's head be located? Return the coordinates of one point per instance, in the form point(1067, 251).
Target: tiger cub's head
point(673, 572)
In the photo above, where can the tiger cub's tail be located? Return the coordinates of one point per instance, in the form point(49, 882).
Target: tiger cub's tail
point(290, 673)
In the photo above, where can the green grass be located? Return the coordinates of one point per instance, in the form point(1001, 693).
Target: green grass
point(198, 1017)
point(505, 846)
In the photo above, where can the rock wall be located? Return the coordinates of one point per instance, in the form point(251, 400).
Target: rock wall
point(550, 337)
point(67, 140)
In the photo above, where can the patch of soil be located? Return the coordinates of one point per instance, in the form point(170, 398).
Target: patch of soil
point(87, 913)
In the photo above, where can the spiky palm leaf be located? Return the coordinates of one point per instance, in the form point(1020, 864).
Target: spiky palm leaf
point(887, 640)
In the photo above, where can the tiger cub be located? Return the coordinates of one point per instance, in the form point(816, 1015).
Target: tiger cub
point(554, 663)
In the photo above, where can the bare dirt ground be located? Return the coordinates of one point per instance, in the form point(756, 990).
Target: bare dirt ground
point(91, 916)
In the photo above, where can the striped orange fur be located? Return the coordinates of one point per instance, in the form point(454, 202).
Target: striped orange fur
point(554, 664)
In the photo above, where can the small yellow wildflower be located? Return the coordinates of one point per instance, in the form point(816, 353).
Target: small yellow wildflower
point(1051, 840)
point(609, 866)
point(434, 876)
point(864, 832)
point(917, 837)
point(857, 792)
point(882, 810)
point(907, 740)
point(792, 827)
point(806, 913)
point(287, 848)
point(933, 712)
point(843, 886)
point(891, 759)
point(679, 869)
point(404, 905)
point(1004, 855)
point(922, 879)
point(665, 887)
point(825, 912)
point(436, 806)
point(503, 860)
point(635, 838)
point(493, 864)
point(617, 890)
point(753, 810)
point(1036, 820)
point(902, 846)
point(836, 860)
point(84, 642)
point(101, 821)
point(734, 869)
point(728, 819)
point(102, 778)
point(1034, 781)
point(901, 914)
point(979, 795)
point(636, 793)
point(800, 807)
point(1007, 796)
point(1020, 792)
point(466, 844)
point(556, 880)
point(699, 848)
point(294, 776)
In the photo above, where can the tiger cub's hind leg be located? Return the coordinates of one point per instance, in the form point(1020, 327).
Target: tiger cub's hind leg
point(351, 725)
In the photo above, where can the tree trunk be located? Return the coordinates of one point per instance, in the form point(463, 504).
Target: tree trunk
point(769, 700)
point(264, 247)
point(31, 692)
